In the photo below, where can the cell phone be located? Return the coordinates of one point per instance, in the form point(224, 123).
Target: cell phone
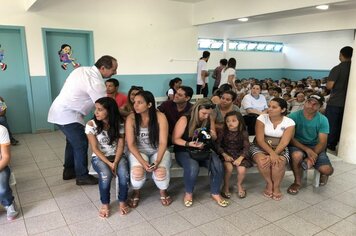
point(152, 165)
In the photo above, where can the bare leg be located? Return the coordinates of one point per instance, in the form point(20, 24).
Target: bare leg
point(228, 172)
point(264, 167)
point(278, 172)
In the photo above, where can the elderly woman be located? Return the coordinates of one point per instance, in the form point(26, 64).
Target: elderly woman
point(185, 140)
point(226, 105)
point(252, 105)
point(146, 133)
point(273, 133)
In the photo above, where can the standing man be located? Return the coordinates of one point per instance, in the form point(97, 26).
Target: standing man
point(337, 82)
point(217, 74)
point(174, 109)
point(112, 90)
point(308, 146)
point(203, 74)
point(82, 88)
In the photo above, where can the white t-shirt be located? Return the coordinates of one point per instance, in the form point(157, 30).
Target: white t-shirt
point(4, 137)
point(82, 88)
point(103, 139)
point(202, 66)
point(170, 92)
point(225, 75)
point(279, 130)
point(249, 102)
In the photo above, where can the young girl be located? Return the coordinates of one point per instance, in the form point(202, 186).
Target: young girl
point(105, 133)
point(233, 148)
point(174, 85)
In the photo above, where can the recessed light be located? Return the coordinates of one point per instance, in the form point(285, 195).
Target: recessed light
point(243, 19)
point(322, 7)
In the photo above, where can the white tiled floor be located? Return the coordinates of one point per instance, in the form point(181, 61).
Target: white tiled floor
point(51, 206)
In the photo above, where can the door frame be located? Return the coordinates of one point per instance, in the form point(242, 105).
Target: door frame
point(27, 78)
point(90, 37)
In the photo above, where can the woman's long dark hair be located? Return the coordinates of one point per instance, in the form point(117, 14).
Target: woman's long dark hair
point(115, 119)
point(153, 128)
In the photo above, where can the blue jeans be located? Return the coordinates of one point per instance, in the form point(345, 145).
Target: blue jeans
point(105, 177)
point(191, 171)
point(6, 197)
point(76, 151)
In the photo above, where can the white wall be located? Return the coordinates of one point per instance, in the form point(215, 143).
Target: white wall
point(142, 35)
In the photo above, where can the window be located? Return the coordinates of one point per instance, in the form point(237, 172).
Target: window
point(211, 44)
point(255, 46)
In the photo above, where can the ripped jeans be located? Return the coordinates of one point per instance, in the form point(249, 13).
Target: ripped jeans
point(105, 177)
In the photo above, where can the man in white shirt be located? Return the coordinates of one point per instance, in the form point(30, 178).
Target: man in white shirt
point(80, 91)
point(203, 74)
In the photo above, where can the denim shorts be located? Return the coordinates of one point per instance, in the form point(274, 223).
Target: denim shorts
point(322, 159)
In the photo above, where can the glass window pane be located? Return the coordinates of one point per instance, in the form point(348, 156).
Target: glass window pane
point(278, 48)
point(232, 45)
point(242, 46)
point(204, 43)
point(216, 44)
point(261, 46)
point(269, 47)
point(251, 46)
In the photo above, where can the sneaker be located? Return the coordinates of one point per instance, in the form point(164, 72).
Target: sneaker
point(14, 141)
point(68, 174)
point(89, 180)
point(11, 211)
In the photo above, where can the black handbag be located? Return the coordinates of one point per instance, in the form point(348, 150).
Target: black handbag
point(200, 154)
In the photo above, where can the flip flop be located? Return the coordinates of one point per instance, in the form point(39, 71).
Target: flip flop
point(242, 194)
point(124, 210)
point(133, 203)
point(166, 200)
point(267, 194)
point(277, 196)
point(188, 203)
point(323, 180)
point(104, 212)
point(226, 195)
point(222, 203)
point(294, 189)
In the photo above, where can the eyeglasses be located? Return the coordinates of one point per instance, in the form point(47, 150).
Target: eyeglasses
point(207, 106)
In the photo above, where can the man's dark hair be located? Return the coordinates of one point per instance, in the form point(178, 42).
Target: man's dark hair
point(231, 63)
point(206, 54)
point(346, 52)
point(278, 90)
point(223, 62)
point(114, 81)
point(188, 91)
point(105, 61)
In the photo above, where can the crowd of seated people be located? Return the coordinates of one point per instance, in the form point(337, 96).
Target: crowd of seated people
point(142, 146)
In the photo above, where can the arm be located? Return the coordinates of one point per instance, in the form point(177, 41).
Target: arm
point(321, 146)
point(131, 140)
point(3, 112)
point(178, 132)
point(204, 74)
point(255, 111)
point(311, 154)
point(163, 136)
point(288, 134)
point(330, 84)
point(231, 80)
point(5, 155)
point(260, 137)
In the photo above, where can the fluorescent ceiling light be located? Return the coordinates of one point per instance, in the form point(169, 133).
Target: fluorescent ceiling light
point(322, 7)
point(243, 19)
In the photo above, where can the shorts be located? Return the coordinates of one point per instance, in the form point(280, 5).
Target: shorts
point(322, 159)
point(254, 149)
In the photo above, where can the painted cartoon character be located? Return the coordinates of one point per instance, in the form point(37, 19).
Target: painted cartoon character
point(65, 56)
point(3, 66)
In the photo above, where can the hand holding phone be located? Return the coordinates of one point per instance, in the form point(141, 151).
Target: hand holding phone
point(152, 166)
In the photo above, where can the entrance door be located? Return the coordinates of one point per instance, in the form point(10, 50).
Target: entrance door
point(15, 79)
point(81, 43)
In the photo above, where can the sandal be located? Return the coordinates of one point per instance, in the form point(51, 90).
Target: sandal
point(166, 200)
point(242, 194)
point(104, 212)
point(277, 196)
point(222, 203)
point(226, 195)
point(267, 194)
point(294, 189)
point(123, 209)
point(323, 180)
point(188, 203)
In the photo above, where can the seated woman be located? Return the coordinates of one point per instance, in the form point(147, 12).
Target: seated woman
point(174, 85)
point(105, 133)
point(184, 139)
point(128, 107)
point(7, 200)
point(252, 105)
point(216, 98)
point(146, 135)
point(3, 121)
point(273, 133)
point(226, 105)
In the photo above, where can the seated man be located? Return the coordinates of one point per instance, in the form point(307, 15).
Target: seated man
point(174, 109)
point(3, 120)
point(112, 88)
point(308, 146)
point(6, 197)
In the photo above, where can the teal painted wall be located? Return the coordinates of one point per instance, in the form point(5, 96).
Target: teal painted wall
point(41, 102)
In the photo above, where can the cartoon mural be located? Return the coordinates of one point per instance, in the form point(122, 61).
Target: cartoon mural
point(3, 66)
point(65, 56)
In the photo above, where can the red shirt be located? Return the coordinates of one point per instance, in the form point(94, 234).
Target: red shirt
point(121, 99)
